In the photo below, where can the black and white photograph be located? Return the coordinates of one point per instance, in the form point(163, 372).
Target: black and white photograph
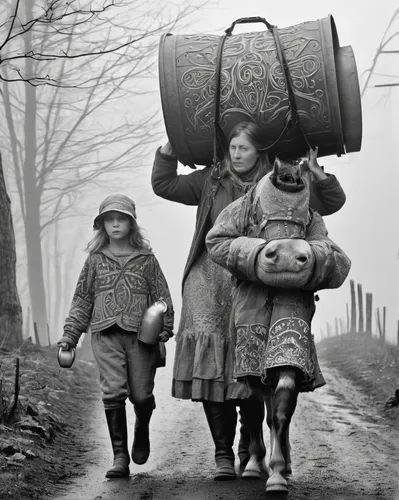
point(199, 250)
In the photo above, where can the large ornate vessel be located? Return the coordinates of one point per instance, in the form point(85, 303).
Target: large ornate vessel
point(253, 86)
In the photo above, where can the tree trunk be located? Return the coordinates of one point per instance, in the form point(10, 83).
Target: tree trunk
point(10, 306)
point(32, 188)
point(35, 266)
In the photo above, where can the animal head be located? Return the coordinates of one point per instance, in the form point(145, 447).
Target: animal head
point(287, 260)
point(287, 176)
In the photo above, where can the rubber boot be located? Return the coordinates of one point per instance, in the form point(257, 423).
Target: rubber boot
point(141, 442)
point(117, 427)
point(220, 422)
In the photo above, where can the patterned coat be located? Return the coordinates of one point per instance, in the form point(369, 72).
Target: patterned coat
point(109, 293)
point(272, 325)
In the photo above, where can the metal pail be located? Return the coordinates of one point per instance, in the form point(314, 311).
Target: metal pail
point(152, 322)
point(66, 357)
point(323, 78)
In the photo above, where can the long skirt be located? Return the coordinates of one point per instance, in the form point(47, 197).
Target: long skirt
point(204, 357)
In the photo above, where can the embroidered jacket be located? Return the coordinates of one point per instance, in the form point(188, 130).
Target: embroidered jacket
point(109, 293)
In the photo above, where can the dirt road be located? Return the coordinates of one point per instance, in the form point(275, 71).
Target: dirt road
point(341, 449)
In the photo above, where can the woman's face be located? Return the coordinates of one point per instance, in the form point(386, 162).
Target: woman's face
point(243, 154)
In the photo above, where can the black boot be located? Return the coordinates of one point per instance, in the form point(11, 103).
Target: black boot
point(141, 442)
point(116, 420)
point(221, 424)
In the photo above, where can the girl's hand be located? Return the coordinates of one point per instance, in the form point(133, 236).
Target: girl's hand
point(66, 343)
point(314, 167)
point(164, 336)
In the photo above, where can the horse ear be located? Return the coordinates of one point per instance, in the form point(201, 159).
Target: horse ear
point(276, 166)
point(304, 166)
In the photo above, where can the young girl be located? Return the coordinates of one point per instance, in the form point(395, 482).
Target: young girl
point(119, 280)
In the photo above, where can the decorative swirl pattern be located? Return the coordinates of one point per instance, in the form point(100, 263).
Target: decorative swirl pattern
point(252, 79)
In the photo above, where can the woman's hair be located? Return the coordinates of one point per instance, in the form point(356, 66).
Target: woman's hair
point(257, 137)
point(101, 238)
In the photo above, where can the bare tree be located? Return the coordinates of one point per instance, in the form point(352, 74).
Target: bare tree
point(10, 307)
point(130, 22)
point(66, 126)
point(385, 48)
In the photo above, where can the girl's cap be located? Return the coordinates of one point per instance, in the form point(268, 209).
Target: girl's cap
point(118, 203)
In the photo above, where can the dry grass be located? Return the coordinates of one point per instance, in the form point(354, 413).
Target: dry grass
point(370, 363)
point(40, 442)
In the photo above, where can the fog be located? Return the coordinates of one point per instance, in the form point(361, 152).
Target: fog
point(366, 227)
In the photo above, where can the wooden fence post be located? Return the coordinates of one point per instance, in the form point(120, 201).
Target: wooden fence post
point(336, 326)
point(347, 318)
point(378, 323)
point(37, 339)
point(360, 300)
point(48, 335)
point(353, 307)
point(369, 312)
point(384, 311)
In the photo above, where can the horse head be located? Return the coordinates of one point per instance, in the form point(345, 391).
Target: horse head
point(283, 199)
point(287, 176)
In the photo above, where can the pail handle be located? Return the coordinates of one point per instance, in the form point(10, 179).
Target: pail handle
point(246, 20)
point(218, 136)
point(294, 118)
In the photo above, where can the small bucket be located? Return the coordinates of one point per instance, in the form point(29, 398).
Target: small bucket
point(152, 323)
point(66, 357)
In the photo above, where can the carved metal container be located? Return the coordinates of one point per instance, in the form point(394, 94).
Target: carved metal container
point(252, 87)
point(152, 322)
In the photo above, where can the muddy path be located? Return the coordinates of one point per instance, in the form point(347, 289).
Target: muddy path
point(341, 449)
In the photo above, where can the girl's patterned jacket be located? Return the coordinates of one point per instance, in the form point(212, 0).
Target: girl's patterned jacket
point(109, 293)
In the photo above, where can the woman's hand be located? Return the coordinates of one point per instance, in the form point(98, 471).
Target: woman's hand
point(167, 149)
point(314, 167)
point(164, 336)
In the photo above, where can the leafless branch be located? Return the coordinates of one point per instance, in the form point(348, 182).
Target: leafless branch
point(384, 42)
point(62, 19)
